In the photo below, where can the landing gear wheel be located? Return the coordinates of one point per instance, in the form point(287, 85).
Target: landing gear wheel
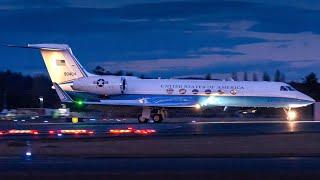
point(157, 118)
point(142, 119)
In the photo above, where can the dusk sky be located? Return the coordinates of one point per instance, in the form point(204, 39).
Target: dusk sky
point(167, 38)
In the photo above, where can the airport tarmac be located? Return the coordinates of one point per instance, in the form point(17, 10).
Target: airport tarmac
point(172, 139)
point(160, 168)
point(172, 127)
point(189, 149)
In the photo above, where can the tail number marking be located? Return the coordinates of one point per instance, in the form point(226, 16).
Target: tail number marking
point(70, 73)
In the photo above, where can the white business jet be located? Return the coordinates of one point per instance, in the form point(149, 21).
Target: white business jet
point(75, 85)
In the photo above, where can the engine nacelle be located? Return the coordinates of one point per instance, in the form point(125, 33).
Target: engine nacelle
point(103, 85)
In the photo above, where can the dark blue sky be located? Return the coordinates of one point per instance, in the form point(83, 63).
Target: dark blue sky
point(167, 38)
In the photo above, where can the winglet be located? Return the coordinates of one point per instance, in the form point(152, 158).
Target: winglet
point(64, 97)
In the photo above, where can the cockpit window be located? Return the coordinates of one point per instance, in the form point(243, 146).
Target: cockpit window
point(283, 88)
point(290, 88)
point(287, 88)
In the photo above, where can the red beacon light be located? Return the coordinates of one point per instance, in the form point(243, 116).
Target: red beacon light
point(23, 132)
point(121, 131)
point(131, 130)
point(145, 131)
point(75, 132)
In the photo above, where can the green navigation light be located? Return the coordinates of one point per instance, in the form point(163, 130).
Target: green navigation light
point(79, 102)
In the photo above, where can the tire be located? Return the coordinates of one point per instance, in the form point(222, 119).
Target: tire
point(142, 120)
point(157, 118)
point(165, 114)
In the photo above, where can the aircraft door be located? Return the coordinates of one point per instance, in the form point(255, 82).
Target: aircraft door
point(123, 85)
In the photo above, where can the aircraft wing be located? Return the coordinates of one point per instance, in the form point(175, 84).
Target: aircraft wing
point(140, 102)
point(129, 100)
point(150, 101)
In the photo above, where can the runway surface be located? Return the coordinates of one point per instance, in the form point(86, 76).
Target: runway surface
point(156, 164)
point(162, 168)
point(100, 128)
point(175, 149)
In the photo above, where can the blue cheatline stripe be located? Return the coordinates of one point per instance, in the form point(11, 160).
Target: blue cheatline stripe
point(233, 101)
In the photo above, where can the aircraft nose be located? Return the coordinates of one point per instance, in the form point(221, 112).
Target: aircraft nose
point(306, 98)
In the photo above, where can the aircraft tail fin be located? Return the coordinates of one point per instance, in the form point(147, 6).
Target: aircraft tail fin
point(62, 65)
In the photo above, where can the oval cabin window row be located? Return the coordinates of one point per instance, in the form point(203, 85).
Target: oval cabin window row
point(196, 91)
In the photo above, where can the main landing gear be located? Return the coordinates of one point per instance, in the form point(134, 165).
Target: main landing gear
point(157, 115)
point(291, 114)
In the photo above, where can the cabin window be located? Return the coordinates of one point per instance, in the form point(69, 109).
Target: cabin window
point(207, 91)
point(182, 91)
point(195, 91)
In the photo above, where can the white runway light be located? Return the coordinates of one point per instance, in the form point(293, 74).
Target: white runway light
point(28, 153)
point(292, 115)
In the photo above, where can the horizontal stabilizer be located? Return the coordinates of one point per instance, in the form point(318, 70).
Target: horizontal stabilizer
point(42, 46)
point(64, 97)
